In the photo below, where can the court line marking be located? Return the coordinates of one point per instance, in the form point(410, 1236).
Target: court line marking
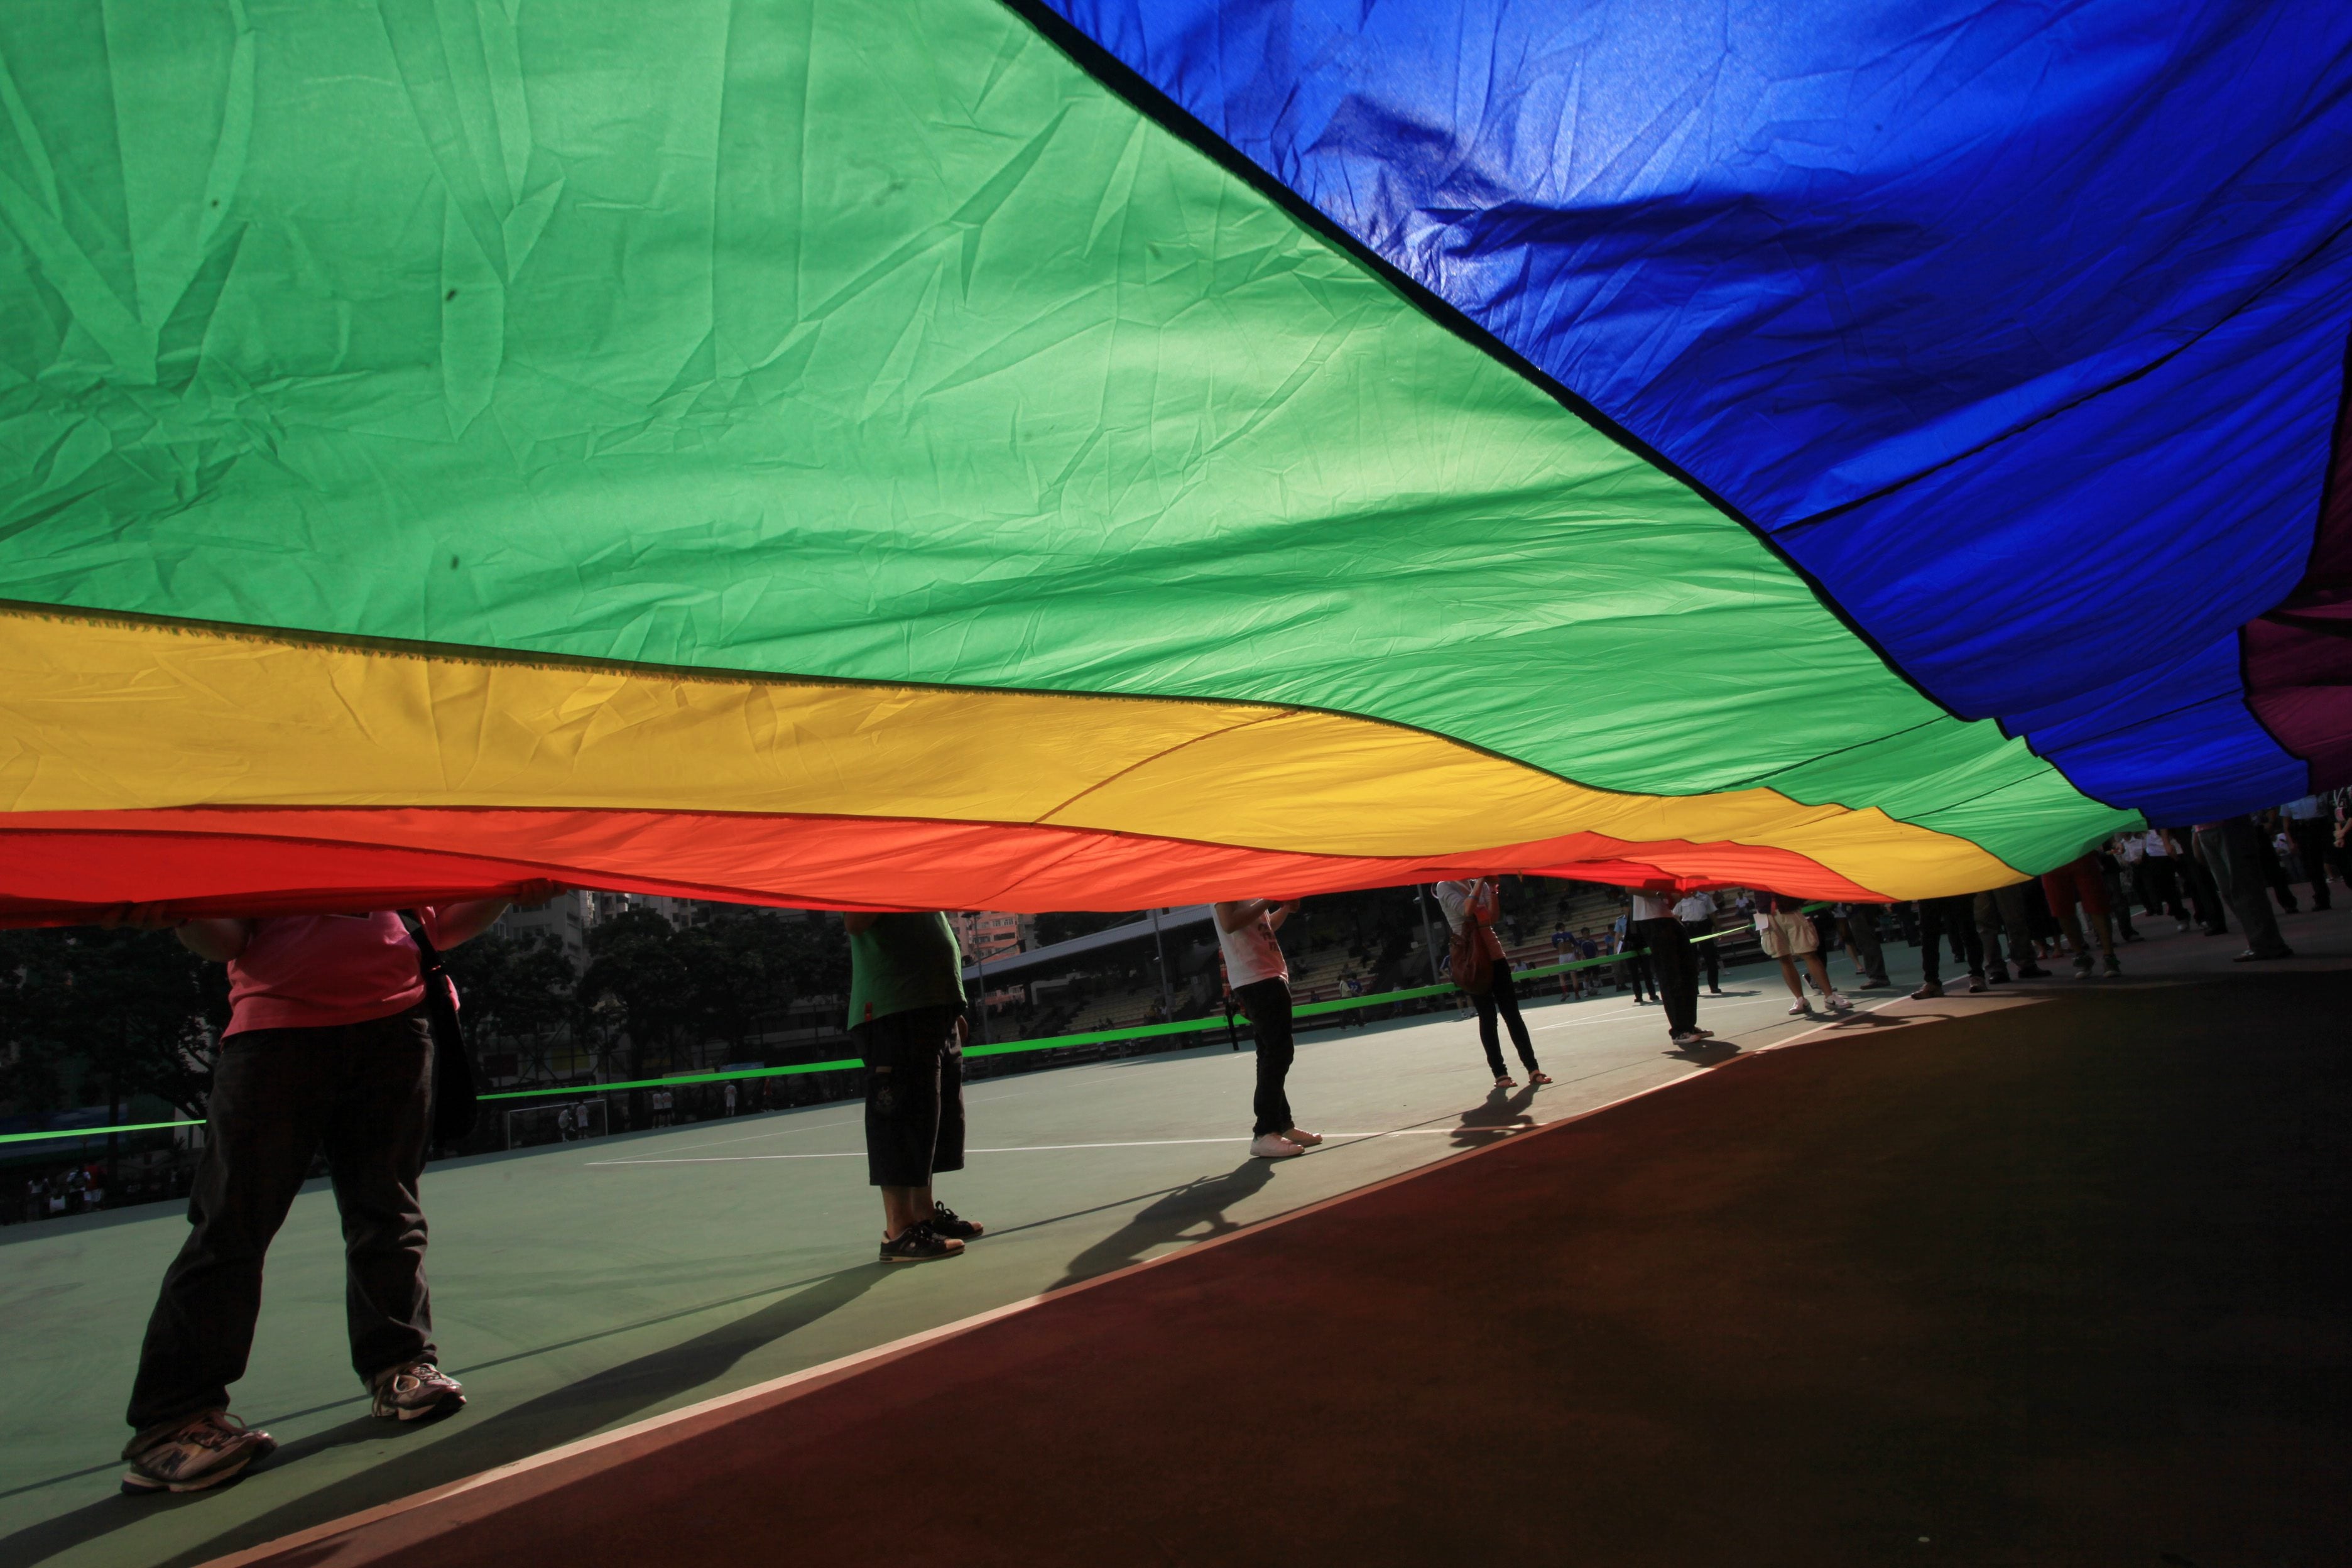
point(1055, 1148)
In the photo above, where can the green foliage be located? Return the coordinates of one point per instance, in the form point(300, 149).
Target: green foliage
point(715, 979)
point(511, 985)
point(124, 1012)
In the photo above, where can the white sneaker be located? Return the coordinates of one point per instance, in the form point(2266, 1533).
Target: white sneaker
point(1274, 1146)
point(1799, 1008)
point(1838, 1003)
point(1303, 1138)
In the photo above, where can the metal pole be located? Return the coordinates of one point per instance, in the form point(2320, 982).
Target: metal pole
point(1428, 940)
point(1159, 948)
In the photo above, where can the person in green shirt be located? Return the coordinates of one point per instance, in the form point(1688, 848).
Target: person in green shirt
point(906, 1018)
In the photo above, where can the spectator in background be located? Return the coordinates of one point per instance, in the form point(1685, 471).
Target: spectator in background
point(1676, 969)
point(1954, 917)
point(1469, 907)
point(2111, 873)
point(2204, 893)
point(2310, 830)
point(1791, 938)
point(1261, 981)
point(1696, 913)
point(328, 1048)
point(2231, 852)
point(2004, 910)
point(1859, 925)
point(2078, 883)
point(906, 1018)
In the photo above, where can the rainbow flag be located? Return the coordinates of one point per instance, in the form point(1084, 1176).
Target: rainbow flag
point(958, 455)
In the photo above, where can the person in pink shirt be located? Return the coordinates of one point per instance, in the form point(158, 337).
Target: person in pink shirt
point(328, 1048)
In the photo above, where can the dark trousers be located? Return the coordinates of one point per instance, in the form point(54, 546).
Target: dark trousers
point(2314, 841)
point(1955, 918)
point(361, 1093)
point(2005, 909)
point(2159, 887)
point(1704, 954)
point(1636, 961)
point(2233, 854)
point(1676, 968)
point(1861, 932)
point(2203, 893)
point(1267, 1003)
point(1503, 1000)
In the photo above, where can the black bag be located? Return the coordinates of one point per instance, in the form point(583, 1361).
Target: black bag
point(454, 1109)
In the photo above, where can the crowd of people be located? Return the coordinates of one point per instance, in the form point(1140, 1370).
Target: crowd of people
point(332, 1047)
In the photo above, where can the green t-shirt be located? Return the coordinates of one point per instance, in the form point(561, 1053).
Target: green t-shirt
point(901, 963)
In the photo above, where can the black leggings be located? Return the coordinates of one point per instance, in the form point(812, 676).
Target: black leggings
point(1955, 918)
point(1503, 999)
point(1267, 1003)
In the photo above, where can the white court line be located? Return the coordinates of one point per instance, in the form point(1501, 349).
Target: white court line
point(1053, 1148)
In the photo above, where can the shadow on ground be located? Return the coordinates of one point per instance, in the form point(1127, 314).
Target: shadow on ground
point(466, 1445)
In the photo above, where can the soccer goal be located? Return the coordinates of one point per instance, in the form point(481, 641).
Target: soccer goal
point(554, 1123)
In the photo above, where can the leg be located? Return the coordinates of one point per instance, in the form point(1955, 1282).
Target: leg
point(1863, 926)
point(267, 1113)
point(1488, 1037)
point(1267, 1002)
point(902, 1056)
point(1931, 945)
point(1677, 976)
point(1788, 977)
point(1820, 970)
point(1506, 1003)
point(2311, 846)
point(375, 1156)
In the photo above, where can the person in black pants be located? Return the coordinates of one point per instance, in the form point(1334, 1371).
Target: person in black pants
point(2312, 836)
point(328, 1048)
point(1955, 918)
point(1676, 967)
point(1696, 914)
point(1470, 907)
point(1261, 982)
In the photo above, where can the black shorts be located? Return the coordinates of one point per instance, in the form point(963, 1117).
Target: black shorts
point(914, 1096)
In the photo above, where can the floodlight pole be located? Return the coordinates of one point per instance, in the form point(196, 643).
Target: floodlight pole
point(1428, 939)
point(1159, 949)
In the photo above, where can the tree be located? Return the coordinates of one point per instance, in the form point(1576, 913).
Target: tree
point(636, 968)
point(512, 987)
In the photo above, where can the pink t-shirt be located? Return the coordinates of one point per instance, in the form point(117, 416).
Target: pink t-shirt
point(313, 972)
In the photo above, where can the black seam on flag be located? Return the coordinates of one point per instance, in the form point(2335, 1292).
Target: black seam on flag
point(1148, 101)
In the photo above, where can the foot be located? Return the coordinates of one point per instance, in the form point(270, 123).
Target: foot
point(2183, 925)
point(2031, 971)
point(945, 1221)
point(2113, 969)
point(1702, 1034)
point(1976, 983)
point(416, 1392)
point(1996, 976)
point(199, 1453)
point(1274, 1146)
point(2082, 966)
point(919, 1243)
point(1838, 1003)
point(1878, 983)
point(1688, 1037)
point(1537, 1078)
point(1305, 1139)
point(1800, 1008)
point(1929, 989)
point(1714, 990)
point(1506, 1082)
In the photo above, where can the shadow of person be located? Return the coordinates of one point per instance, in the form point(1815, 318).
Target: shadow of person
point(1503, 1110)
point(1704, 1053)
point(471, 1443)
point(1168, 1218)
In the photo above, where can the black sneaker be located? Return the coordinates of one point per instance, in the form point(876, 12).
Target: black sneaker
point(919, 1243)
point(2031, 971)
point(417, 1391)
point(948, 1223)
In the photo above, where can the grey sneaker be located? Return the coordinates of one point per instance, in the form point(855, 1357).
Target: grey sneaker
point(416, 1392)
point(200, 1452)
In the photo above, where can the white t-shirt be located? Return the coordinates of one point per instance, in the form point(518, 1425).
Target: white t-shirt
point(1252, 954)
point(1652, 907)
point(2156, 849)
point(1454, 898)
point(1697, 907)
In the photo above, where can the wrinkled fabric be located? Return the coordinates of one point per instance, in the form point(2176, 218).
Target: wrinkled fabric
point(2020, 328)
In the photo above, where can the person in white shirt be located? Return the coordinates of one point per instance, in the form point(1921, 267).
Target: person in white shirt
point(1674, 968)
point(1696, 913)
point(1260, 976)
point(1470, 914)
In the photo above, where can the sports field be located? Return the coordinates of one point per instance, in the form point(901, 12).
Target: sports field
point(583, 1287)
